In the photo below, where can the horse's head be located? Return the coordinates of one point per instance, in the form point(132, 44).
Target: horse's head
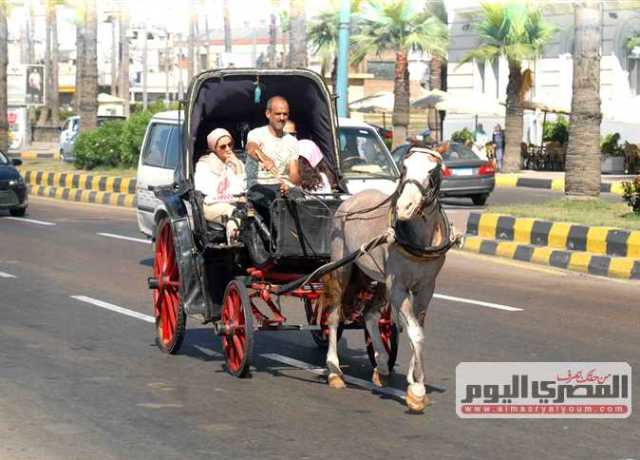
point(419, 182)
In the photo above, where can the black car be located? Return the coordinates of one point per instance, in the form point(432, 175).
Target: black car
point(13, 190)
point(464, 174)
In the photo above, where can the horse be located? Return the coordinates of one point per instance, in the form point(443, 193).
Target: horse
point(403, 269)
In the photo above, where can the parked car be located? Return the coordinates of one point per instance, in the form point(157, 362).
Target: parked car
point(464, 174)
point(70, 130)
point(13, 190)
point(364, 159)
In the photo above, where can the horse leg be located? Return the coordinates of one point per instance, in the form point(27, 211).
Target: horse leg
point(331, 301)
point(416, 394)
point(380, 377)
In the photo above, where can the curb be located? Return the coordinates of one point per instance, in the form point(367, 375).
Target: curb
point(31, 155)
point(605, 241)
point(613, 267)
point(84, 195)
point(557, 185)
point(111, 184)
point(602, 251)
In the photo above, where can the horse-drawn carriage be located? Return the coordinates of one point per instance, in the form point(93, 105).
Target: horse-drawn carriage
point(235, 287)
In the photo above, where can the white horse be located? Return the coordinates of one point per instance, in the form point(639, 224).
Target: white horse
point(406, 266)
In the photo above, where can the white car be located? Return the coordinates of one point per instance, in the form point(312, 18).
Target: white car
point(365, 162)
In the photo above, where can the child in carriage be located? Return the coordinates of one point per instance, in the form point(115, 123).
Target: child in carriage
point(315, 175)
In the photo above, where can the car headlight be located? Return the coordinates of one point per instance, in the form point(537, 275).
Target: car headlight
point(18, 181)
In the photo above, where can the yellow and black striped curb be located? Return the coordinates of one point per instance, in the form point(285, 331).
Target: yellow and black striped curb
point(30, 155)
point(614, 267)
point(111, 184)
point(515, 180)
point(83, 195)
point(604, 241)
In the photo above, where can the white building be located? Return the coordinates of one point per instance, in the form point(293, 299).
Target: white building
point(553, 71)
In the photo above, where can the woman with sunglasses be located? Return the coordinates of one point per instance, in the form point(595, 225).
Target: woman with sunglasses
point(220, 176)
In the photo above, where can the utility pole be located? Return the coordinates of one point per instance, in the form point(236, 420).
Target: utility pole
point(227, 27)
point(167, 68)
point(342, 82)
point(145, 100)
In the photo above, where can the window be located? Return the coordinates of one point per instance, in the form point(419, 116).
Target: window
point(156, 145)
point(382, 70)
point(363, 154)
point(173, 149)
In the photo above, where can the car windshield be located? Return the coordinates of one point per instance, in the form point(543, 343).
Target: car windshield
point(363, 154)
point(457, 151)
point(3, 159)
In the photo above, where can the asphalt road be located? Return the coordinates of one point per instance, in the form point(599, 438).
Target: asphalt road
point(80, 381)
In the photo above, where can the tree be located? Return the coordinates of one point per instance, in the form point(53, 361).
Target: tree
point(323, 37)
point(297, 34)
point(227, 27)
point(398, 26)
point(516, 31)
point(49, 112)
point(437, 67)
point(583, 153)
point(4, 38)
point(88, 87)
point(273, 36)
point(123, 79)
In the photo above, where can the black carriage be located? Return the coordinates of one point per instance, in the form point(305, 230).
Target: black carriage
point(233, 287)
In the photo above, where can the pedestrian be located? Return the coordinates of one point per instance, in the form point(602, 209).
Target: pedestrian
point(498, 145)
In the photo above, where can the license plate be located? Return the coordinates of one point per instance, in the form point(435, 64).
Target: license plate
point(463, 172)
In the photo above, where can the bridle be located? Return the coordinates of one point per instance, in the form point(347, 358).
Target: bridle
point(428, 194)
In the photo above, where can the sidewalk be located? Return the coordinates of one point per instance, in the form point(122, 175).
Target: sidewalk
point(554, 180)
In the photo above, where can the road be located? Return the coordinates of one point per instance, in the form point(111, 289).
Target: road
point(81, 381)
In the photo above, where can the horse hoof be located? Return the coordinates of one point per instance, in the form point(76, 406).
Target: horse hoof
point(379, 380)
point(335, 381)
point(416, 404)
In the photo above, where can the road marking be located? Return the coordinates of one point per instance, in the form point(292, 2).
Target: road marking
point(117, 309)
point(347, 378)
point(497, 306)
point(32, 221)
point(121, 237)
point(208, 352)
point(6, 275)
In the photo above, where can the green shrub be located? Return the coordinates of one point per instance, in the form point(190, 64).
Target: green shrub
point(631, 194)
point(132, 137)
point(556, 130)
point(462, 136)
point(609, 146)
point(99, 147)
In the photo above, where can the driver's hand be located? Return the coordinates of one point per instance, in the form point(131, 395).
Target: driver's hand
point(284, 188)
point(268, 165)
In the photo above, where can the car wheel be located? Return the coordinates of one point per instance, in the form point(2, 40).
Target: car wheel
point(479, 200)
point(18, 212)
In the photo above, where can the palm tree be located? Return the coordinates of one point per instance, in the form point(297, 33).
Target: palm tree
point(397, 26)
point(437, 67)
point(88, 94)
point(227, 27)
point(4, 38)
point(297, 34)
point(123, 83)
point(516, 31)
point(583, 153)
point(323, 36)
point(49, 112)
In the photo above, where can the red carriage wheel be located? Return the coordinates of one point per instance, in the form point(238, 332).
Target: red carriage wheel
point(389, 336)
point(170, 316)
point(314, 318)
point(237, 319)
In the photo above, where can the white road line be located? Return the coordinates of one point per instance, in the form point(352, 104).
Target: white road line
point(347, 378)
point(32, 221)
point(497, 306)
point(208, 352)
point(117, 309)
point(6, 275)
point(121, 237)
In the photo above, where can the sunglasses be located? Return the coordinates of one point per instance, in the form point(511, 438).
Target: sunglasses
point(226, 146)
